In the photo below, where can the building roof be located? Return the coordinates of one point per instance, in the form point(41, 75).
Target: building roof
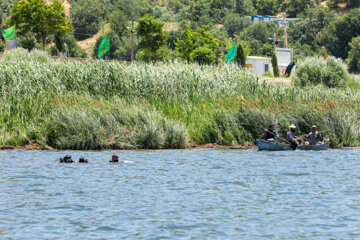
point(257, 58)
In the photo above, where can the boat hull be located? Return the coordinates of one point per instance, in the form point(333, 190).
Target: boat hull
point(272, 146)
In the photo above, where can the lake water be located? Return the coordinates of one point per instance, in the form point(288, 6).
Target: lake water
point(189, 194)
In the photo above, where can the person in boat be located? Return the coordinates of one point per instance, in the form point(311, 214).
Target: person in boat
point(314, 136)
point(270, 133)
point(114, 159)
point(291, 138)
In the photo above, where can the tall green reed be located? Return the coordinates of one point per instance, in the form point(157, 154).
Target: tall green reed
point(102, 104)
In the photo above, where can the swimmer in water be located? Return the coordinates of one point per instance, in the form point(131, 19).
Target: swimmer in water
point(115, 158)
point(83, 160)
point(66, 159)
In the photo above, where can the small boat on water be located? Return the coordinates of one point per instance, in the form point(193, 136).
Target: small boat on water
point(274, 146)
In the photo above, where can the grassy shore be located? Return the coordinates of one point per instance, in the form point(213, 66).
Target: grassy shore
point(108, 105)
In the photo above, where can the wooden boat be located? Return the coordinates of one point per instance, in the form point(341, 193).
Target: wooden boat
point(274, 146)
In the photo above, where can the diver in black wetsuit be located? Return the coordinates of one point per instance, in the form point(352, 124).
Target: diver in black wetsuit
point(115, 158)
point(66, 159)
point(83, 160)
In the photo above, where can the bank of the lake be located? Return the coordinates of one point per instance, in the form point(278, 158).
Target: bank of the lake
point(109, 105)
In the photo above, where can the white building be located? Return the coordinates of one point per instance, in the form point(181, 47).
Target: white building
point(259, 18)
point(284, 58)
point(259, 65)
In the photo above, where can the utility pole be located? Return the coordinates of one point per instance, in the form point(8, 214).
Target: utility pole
point(222, 47)
point(275, 40)
point(285, 32)
point(132, 39)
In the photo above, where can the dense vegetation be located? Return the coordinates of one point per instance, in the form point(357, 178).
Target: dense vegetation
point(227, 21)
point(317, 71)
point(182, 99)
point(104, 104)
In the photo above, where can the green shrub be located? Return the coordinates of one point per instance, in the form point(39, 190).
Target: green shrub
point(268, 74)
point(27, 43)
point(240, 56)
point(274, 63)
point(71, 48)
point(203, 55)
point(97, 128)
point(21, 55)
point(77, 130)
point(315, 70)
point(2, 46)
point(354, 55)
point(176, 135)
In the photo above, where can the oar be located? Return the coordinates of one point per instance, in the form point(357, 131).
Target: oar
point(277, 136)
point(282, 140)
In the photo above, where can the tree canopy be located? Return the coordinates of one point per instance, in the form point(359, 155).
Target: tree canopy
point(41, 19)
point(337, 35)
point(153, 37)
point(197, 46)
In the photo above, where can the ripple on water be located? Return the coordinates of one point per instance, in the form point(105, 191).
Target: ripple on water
point(200, 194)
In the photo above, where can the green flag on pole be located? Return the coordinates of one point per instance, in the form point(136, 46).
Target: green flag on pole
point(104, 47)
point(9, 33)
point(231, 54)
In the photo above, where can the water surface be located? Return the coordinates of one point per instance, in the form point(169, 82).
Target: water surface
point(198, 194)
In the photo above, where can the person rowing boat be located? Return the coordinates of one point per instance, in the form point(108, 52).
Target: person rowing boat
point(291, 138)
point(270, 133)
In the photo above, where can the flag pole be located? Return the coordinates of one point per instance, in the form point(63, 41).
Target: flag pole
point(109, 48)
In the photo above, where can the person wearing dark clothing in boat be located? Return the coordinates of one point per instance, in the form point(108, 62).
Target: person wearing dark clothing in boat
point(314, 136)
point(291, 138)
point(270, 133)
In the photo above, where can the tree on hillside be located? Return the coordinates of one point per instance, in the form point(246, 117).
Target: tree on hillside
point(244, 7)
point(240, 56)
point(178, 5)
point(153, 37)
point(234, 23)
point(313, 21)
point(354, 55)
point(200, 43)
point(133, 8)
point(349, 3)
point(337, 35)
point(86, 16)
point(353, 3)
point(185, 46)
point(267, 7)
point(294, 7)
point(5, 6)
point(119, 22)
point(257, 37)
point(39, 18)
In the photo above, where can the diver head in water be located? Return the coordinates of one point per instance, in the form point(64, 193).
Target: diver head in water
point(83, 160)
point(66, 159)
point(114, 158)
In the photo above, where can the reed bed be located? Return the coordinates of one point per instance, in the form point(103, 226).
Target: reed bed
point(103, 105)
